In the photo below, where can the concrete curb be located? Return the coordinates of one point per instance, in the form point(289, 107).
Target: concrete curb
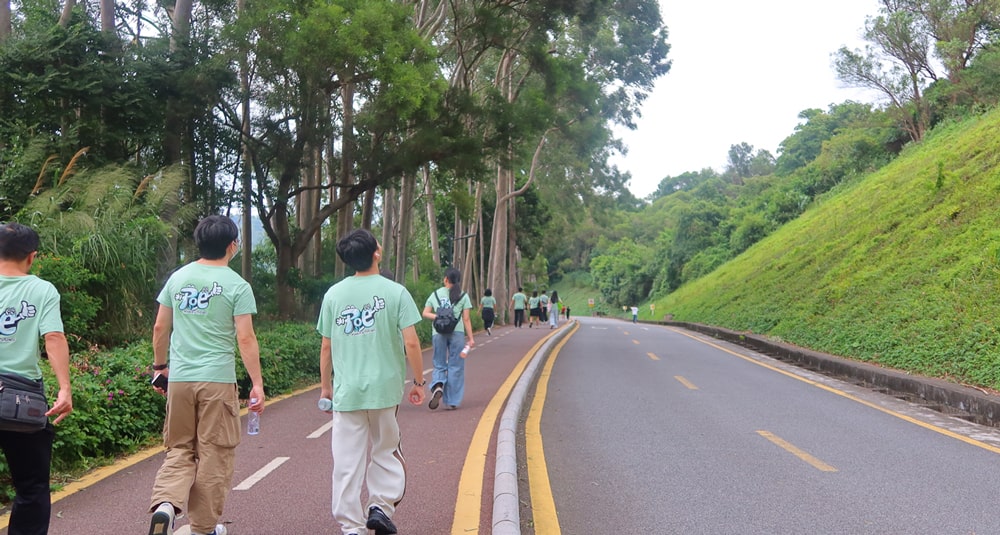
point(980, 407)
point(506, 505)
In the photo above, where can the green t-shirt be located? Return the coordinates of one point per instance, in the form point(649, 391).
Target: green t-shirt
point(29, 309)
point(488, 302)
point(463, 304)
point(532, 303)
point(363, 316)
point(519, 300)
point(205, 299)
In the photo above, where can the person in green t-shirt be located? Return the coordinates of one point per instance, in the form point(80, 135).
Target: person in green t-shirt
point(368, 324)
point(520, 301)
point(205, 313)
point(450, 349)
point(487, 309)
point(29, 310)
point(534, 312)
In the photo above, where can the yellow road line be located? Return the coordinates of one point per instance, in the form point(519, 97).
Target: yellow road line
point(914, 421)
point(685, 382)
point(470, 484)
point(816, 463)
point(652, 356)
point(543, 505)
point(634, 341)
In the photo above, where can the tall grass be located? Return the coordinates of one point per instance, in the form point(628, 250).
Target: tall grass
point(900, 268)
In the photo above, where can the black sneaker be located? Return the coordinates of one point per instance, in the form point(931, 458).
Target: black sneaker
point(436, 392)
point(379, 522)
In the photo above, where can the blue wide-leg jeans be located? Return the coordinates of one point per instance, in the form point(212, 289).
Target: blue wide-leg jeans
point(449, 366)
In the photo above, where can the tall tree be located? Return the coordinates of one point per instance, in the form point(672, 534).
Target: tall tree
point(310, 62)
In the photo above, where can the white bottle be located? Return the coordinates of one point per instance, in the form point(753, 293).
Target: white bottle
point(324, 404)
point(253, 420)
point(465, 351)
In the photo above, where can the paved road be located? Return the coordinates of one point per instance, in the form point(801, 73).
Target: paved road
point(649, 429)
point(282, 478)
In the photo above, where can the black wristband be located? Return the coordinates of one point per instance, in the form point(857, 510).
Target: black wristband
point(160, 367)
point(415, 383)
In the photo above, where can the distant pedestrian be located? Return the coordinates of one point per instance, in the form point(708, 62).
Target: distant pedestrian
point(487, 310)
point(635, 314)
point(368, 325)
point(566, 310)
point(543, 307)
point(520, 302)
point(206, 312)
point(30, 308)
point(534, 312)
point(554, 310)
point(448, 383)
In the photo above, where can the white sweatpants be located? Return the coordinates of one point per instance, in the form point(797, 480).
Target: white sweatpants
point(385, 477)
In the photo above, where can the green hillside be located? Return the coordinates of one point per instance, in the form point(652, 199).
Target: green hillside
point(899, 269)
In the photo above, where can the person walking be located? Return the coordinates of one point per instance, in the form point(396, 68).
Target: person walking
point(520, 302)
point(30, 311)
point(448, 381)
point(487, 310)
point(635, 314)
point(554, 310)
point(543, 307)
point(205, 314)
point(534, 312)
point(368, 326)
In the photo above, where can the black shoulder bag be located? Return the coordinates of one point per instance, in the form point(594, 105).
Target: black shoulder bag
point(22, 404)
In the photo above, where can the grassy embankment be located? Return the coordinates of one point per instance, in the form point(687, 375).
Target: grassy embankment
point(899, 268)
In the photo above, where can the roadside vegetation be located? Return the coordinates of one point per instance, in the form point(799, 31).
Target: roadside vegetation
point(901, 269)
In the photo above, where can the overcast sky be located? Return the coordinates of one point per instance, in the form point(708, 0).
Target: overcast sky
point(742, 71)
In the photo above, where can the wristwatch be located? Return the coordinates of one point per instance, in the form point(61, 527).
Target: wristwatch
point(160, 367)
point(421, 383)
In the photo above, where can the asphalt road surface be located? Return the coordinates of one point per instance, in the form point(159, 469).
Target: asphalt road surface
point(651, 429)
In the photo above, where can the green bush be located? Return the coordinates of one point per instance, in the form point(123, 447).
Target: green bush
point(79, 309)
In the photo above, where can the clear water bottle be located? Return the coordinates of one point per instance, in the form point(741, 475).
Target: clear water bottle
point(253, 420)
point(325, 404)
point(465, 351)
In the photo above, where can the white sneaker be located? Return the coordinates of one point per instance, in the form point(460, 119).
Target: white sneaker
point(162, 522)
point(220, 529)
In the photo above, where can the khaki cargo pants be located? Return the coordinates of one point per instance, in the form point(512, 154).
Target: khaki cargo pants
point(201, 432)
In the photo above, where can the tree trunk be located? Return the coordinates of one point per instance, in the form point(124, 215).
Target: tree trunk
point(246, 260)
point(390, 205)
point(431, 216)
point(176, 117)
point(308, 206)
point(405, 223)
point(67, 13)
point(5, 27)
point(108, 16)
point(345, 217)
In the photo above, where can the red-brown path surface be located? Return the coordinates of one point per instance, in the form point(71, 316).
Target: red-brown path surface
point(295, 497)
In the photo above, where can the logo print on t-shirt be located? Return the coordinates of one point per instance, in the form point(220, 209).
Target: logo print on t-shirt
point(355, 321)
point(193, 300)
point(11, 317)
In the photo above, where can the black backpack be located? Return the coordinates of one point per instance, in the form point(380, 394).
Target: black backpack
point(445, 321)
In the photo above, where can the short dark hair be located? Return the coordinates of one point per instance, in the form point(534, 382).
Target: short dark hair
point(213, 235)
point(17, 241)
point(488, 292)
point(357, 249)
